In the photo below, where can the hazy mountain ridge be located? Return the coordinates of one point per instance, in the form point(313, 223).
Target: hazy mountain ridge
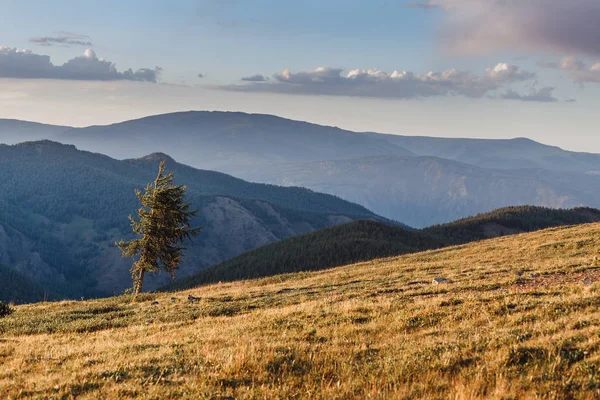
point(212, 140)
point(518, 153)
point(422, 191)
point(62, 209)
point(14, 131)
point(416, 180)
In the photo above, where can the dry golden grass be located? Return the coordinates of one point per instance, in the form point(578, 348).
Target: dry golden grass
point(373, 330)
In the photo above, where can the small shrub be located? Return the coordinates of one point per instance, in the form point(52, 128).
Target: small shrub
point(5, 309)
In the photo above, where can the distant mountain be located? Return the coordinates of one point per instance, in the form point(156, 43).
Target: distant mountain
point(519, 153)
point(417, 180)
point(215, 140)
point(61, 210)
point(15, 131)
point(367, 240)
point(422, 191)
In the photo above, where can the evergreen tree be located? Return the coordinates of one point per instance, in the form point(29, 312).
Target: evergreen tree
point(164, 224)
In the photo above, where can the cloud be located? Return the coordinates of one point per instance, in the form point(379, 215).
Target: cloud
point(255, 78)
point(580, 72)
point(559, 26)
point(424, 5)
point(505, 73)
point(571, 64)
point(16, 63)
point(547, 64)
point(543, 95)
point(378, 83)
point(64, 39)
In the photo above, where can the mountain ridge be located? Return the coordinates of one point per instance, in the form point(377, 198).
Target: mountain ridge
point(268, 149)
point(62, 209)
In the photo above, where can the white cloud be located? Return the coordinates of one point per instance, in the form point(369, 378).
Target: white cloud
point(16, 63)
point(378, 83)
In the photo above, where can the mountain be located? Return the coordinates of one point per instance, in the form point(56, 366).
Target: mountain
point(516, 318)
point(367, 240)
point(61, 210)
point(416, 180)
point(519, 153)
point(15, 131)
point(422, 191)
point(215, 140)
point(234, 140)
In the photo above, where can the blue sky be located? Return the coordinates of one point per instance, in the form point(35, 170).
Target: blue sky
point(501, 68)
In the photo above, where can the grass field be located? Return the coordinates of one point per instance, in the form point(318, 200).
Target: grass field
point(520, 319)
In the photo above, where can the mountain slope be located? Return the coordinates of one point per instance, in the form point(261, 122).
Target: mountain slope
point(422, 191)
point(62, 210)
point(368, 240)
point(17, 288)
point(518, 319)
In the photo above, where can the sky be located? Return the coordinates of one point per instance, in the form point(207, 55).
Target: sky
point(451, 68)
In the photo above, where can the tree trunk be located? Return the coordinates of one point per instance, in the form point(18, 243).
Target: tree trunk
point(139, 283)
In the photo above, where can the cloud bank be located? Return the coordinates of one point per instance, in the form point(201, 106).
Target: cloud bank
point(560, 26)
point(24, 64)
point(378, 83)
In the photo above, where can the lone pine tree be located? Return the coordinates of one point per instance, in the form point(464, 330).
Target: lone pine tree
point(164, 225)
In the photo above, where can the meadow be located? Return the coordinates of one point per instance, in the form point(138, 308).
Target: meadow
point(518, 319)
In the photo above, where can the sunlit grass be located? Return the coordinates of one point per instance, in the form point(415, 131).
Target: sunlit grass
point(520, 319)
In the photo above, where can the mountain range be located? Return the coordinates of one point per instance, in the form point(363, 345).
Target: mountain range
point(416, 180)
point(62, 209)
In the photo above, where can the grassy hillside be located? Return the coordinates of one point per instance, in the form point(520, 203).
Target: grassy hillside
point(366, 240)
point(519, 319)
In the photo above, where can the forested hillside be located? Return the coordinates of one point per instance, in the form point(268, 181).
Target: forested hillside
point(367, 240)
point(62, 209)
point(16, 288)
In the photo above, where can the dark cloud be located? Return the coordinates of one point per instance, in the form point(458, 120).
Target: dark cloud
point(26, 64)
point(544, 95)
point(562, 26)
point(378, 83)
point(64, 39)
point(255, 78)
